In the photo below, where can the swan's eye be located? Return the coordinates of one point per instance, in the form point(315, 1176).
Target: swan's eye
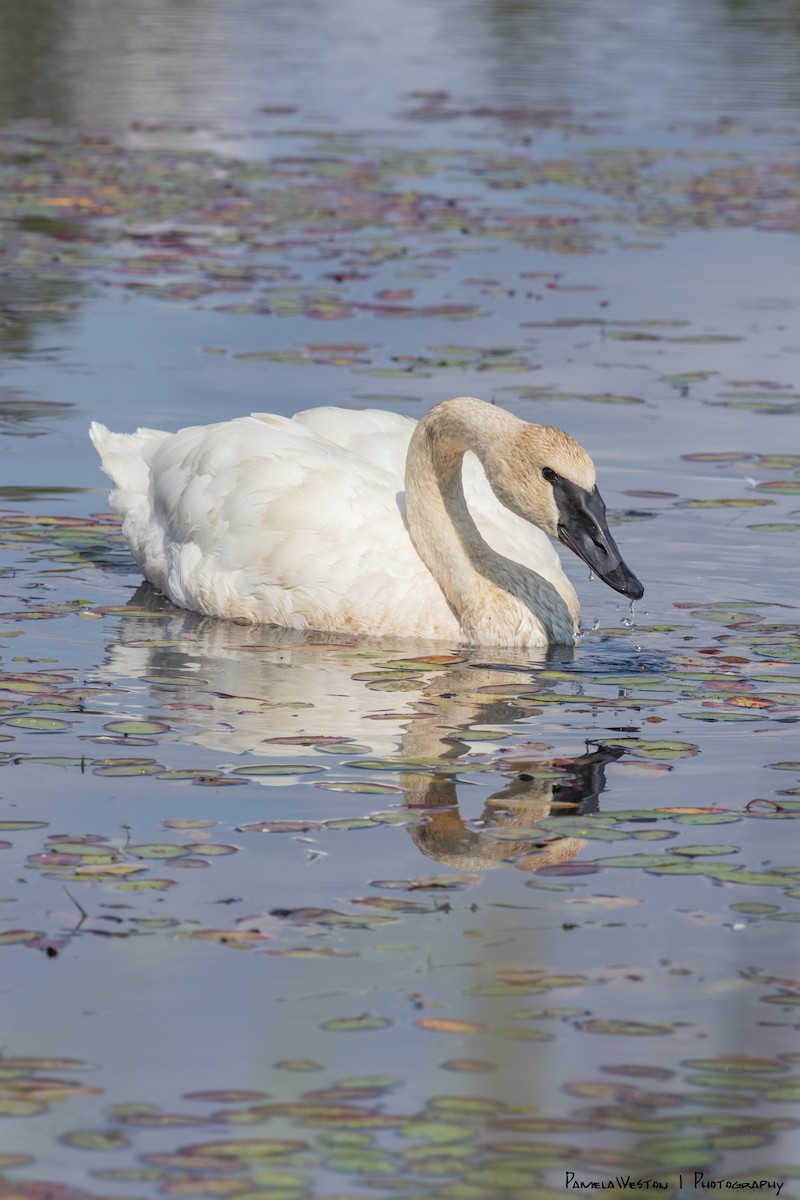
point(549, 474)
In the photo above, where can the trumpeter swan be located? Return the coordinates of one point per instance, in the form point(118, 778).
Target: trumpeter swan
point(308, 523)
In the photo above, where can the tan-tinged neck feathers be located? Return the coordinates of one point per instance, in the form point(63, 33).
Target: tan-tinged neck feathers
point(494, 598)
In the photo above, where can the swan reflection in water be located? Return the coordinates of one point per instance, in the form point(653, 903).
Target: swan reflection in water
point(248, 690)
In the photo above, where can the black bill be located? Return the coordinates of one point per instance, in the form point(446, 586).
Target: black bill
point(582, 526)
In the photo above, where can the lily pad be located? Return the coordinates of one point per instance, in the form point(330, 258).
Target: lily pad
point(158, 850)
point(137, 728)
point(365, 1023)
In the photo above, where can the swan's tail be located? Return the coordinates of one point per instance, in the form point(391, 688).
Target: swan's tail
point(125, 458)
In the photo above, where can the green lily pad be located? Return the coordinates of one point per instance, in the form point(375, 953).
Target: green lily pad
point(713, 715)
point(646, 748)
point(709, 818)
point(303, 1065)
point(731, 502)
point(781, 487)
point(11, 1106)
point(188, 823)
point(365, 1023)
point(349, 823)
point(39, 724)
point(354, 786)
point(158, 850)
point(774, 527)
point(128, 770)
point(137, 728)
point(703, 850)
point(144, 885)
point(626, 1028)
point(211, 849)
point(95, 1140)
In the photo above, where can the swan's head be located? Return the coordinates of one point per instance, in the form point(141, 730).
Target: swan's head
point(546, 477)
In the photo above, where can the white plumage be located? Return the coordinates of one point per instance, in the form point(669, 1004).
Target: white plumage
point(303, 523)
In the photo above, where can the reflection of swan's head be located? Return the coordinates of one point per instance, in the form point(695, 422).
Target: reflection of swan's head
point(529, 797)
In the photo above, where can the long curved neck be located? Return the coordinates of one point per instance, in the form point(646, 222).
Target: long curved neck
point(493, 598)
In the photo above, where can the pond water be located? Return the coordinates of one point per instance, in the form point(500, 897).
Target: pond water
point(475, 923)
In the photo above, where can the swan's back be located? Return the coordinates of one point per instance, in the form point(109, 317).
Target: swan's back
point(297, 522)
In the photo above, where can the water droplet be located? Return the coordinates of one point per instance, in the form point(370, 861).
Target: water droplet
point(591, 575)
point(596, 623)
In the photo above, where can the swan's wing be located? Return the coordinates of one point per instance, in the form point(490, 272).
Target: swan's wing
point(379, 437)
point(382, 438)
point(262, 519)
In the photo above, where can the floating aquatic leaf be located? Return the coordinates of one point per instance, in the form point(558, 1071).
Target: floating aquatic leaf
point(84, 849)
point(646, 748)
point(158, 850)
point(95, 1140)
point(703, 849)
point(730, 502)
point(707, 818)
point(448, 1025)
point(281, 827)
point(299, 1064)
point(430, 882)
point(360, 788)
point(234, 937)
point(627, 1028)
point(277, 769)
point(11, 937)
point(737, 1063)
point(349, 823)
point(188, 823)
point(145, 885)
point(330, 917)
point(782, 487)
point(469, 1066)
point(726, 456)
point(110, 871)
point(713, 715)
point(137, 728)
point(39, 724)
point(128, 770)
point(364, 1023)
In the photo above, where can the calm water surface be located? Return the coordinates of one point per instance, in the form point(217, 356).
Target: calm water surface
point(296, 917)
